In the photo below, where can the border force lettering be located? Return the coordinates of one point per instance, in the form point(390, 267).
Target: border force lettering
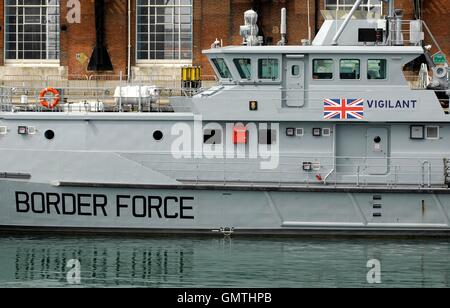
point(96, 205)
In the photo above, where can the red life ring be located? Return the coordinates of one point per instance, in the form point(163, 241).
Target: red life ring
point(44, 101)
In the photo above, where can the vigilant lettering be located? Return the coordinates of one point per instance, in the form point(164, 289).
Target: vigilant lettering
point(389, 104)
point(98, 205)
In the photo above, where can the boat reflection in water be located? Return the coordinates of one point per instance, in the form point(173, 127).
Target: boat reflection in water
point(222, 262)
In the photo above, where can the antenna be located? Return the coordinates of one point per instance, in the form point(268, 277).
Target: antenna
point(391, 8)
point(283, 27)
point(309, 23)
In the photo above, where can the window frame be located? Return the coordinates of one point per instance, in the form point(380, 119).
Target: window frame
point(238, 67)
point(347, 7)
point(179, 60)
point(313, 60)
point(386, 77)
point(350, 59)
point(267, 80)
point(218, 71)
point(49, 41)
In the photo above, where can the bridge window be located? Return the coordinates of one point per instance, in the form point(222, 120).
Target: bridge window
point(222, 68)
point(376, 69)
point(244, 67)
point(268, 69)
point(350, 69)
point(323, 68)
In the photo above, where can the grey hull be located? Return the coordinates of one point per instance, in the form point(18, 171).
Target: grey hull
point(187, 210)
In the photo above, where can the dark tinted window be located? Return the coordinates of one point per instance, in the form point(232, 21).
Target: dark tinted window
point(244, 67)
point(268, 69)
point(350, 69)
point(323, 69)
point(222, 68)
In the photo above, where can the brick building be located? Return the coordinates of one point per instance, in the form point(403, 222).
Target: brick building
point(156, 37)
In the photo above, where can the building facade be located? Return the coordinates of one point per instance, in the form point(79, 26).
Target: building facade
point(157, 37)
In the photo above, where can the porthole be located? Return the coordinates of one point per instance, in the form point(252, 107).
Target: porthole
point(49, 134)
point(158, 135)
point(295, 70)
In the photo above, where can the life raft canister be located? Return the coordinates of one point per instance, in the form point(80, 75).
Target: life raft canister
point(44, 101)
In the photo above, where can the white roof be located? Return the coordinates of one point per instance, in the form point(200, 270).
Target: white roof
point(316, 49)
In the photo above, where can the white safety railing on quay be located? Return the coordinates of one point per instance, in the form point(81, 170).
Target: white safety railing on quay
point(95, 88)
point(97, 81)
point(111, 99)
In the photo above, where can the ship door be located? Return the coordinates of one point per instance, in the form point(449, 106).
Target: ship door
point(377, 155)
point(294, 90)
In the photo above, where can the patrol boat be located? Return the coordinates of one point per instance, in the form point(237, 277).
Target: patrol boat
point(348, 133)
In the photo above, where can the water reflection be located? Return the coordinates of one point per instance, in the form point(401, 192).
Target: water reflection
point(222, 262)
point(107, 262)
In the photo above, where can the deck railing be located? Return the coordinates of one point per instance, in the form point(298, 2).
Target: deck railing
point(412, 33)
point(111, 99)
point(325, 170)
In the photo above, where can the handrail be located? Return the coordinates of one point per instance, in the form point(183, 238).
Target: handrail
point(435, 42)
point(76, 93)
point(401, 170)
point(426, 163)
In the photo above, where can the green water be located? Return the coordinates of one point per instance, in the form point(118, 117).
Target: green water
point(221, 262)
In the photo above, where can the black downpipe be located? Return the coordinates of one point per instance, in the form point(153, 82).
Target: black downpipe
point(257, 7)
point(100, 60)
point(316, 16)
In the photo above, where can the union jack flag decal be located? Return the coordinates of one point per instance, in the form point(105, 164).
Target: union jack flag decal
point(343, 108)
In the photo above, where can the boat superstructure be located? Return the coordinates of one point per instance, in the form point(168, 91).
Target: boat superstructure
point(346, 133)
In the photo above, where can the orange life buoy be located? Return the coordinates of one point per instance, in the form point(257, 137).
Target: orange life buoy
point(44, 101)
